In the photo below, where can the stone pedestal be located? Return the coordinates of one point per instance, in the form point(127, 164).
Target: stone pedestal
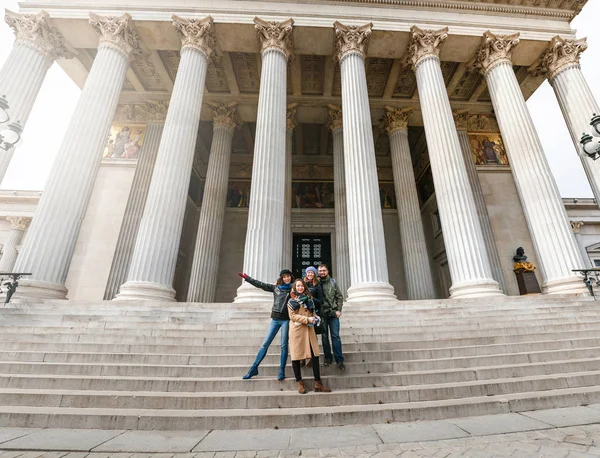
point(528, 283)
point(465, 248)
point(155, 255)
point(263, 252)
point(544, 211)
point(366, 242)
point(205, 266)
point(53, 233)
point(18, 225)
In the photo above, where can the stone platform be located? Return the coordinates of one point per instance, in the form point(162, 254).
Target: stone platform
point(178, 367)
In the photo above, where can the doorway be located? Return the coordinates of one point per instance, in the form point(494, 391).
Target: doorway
point(310, 250)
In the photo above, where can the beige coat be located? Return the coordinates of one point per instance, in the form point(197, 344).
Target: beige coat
point(302, 337)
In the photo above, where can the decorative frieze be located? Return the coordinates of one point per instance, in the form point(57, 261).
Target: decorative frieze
point(493, 50)
point(141, 113)
point(424, 43)
point(461, 119)
point(562, 53)
point(197, 34)
point(225, 114)
point(395, 119)
point(20, 223)
point(351, 39)
point(36, 31)
point(482, 123)
point(335, 117)
point(117, 32)
point(275, 35)
point(290, 118)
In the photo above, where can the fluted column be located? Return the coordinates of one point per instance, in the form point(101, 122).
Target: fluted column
point(417, 270)
point(50, 242)
point(463, 238)
point(136, 201)
point(342, 255)
point(544, 211)
point(366, 241)
point(154, 258)
point(287, 215)
point(461, 121)
point(560, 63)
point(263, 251)
point(205, 266)
point(37, 45)
point(576, 226)
point(18, 225)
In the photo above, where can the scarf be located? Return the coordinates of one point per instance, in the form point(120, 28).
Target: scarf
point(301, 300)
point(285, 287)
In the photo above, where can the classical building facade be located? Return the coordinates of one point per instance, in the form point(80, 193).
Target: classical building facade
point(390, 139)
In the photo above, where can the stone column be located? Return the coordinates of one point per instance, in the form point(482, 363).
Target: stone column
point(205, 265)
point(154, 258)
point(544, 211)
point(417, 270)
point(465, 247)
point(560, 63)
point(37, 45)
point(461, 120)
point(342, 255)
point(287, 215)
point(18, 225)
point(576, 226)
point(263, 251)
point(50, 242)
point(366, 241)
point(140, 185)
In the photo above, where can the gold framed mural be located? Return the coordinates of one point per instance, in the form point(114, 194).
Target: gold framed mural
point(488, 148)
point(238, 194)
point(125, 141)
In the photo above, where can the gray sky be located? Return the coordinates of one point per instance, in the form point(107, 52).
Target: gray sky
point(55, 104)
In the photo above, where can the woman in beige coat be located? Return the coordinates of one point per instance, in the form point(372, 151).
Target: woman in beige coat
point(302, 338)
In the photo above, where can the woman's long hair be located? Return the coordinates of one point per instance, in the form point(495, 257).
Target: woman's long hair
point(306, 291)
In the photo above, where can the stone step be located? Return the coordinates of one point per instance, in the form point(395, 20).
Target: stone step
point(164, 419)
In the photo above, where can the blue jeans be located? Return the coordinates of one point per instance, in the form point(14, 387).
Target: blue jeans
point(331, 325)
point(274, 327)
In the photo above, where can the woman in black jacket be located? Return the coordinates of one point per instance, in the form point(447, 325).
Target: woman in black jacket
point(279, 320)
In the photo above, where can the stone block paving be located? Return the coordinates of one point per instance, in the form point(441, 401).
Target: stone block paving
point(569, 432)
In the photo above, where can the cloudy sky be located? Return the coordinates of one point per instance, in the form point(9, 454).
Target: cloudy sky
point(54, 106)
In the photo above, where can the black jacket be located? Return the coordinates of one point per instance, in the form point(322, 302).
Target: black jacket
point(280, 298)
point(317, 294)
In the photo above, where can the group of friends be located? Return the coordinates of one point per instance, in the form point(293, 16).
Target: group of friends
point(299, 306)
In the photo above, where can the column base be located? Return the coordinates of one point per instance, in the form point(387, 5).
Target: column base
point(145, 291)
point(371, 292)
point(478, 288)
point(248, 293)
point(34, 289)
point(567, 285)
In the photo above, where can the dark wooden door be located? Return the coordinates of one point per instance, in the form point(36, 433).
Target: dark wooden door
point(310, 250)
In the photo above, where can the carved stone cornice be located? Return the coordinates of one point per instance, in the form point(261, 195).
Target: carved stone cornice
point(142, 113)
point(275, 36)
point(396, 119)
point(576, 226)
point(198, 34)
point(494, 50)
point(36, 31)
point(225, 115)
point(461, 119)
point(351, 39)
point(562, 53)
point(424, 43)
point(19, 223)
point(290, 117)
point(335, 117)
point(117, 33)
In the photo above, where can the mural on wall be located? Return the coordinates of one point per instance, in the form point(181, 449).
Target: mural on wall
point(308, 194)
point(488, 149)
point(387, 195)
point(425, 186)
point(125, 141)
point(238, 194)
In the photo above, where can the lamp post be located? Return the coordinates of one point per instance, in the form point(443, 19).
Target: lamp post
point(10, 132)
point(589, 144)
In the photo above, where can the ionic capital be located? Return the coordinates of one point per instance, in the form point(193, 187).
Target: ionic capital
point(198, 34)
point(562, 53)
point(461, 119)
point(18, 222)
point(396, 119)
point(275, 36)
point(225, 115)
point(576, 226)
point(117, 33)
point(424, 43)
point(494, 50)
point(335, 117)
point(351, 39)
point(142, 113)
point(290, 116)
point(36, 31)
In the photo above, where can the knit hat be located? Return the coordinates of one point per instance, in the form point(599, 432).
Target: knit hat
point(311, 269)
point(285, 272)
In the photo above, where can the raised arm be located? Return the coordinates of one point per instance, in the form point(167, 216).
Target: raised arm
point(259, 284)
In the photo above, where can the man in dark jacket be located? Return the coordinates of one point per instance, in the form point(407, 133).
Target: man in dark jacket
point(331, 310)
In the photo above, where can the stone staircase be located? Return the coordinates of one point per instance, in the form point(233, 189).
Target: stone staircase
point(178, 366)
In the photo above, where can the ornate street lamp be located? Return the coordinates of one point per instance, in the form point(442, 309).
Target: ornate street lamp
point(589, 144)
point(10, 132)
